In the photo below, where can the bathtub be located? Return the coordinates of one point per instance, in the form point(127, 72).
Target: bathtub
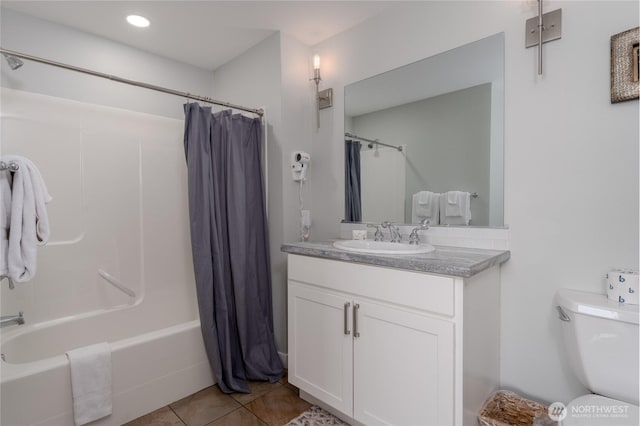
point(153, 365)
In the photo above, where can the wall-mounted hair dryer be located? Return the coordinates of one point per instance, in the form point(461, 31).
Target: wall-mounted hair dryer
point(299, 165)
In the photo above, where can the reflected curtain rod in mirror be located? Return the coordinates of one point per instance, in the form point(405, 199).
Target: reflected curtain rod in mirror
point(376, 141)
point(448, 117)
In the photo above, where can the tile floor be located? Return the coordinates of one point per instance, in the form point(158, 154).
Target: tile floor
point(272, 404)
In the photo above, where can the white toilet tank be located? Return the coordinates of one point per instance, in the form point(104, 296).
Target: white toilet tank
point(601, 338)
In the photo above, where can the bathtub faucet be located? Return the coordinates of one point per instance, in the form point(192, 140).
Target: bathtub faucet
point(12, 319)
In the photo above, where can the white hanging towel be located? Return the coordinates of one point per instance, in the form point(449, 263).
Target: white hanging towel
point(91, 382)
point(5, 220)
point(29, 223)
point(455, 208)
point(425, 205)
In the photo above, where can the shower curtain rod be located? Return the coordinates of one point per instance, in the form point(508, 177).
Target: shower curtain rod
point(257, 111)
point(351, 135)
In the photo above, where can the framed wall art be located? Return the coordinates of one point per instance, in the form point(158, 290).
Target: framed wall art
point(625, 73)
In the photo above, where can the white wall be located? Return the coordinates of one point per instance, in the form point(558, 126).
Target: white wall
point(569, 157)
point(37, 37)
point(274, 75)
point(297, 123)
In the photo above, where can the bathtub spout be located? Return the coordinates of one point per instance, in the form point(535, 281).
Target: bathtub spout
point(12, 319)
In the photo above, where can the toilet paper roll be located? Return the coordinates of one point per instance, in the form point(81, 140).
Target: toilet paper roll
point(622, 286)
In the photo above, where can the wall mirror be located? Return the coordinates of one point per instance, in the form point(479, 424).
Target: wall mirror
point(428, 128)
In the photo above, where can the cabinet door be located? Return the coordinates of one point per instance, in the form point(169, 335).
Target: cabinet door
point(320, 352)
point(403, 368)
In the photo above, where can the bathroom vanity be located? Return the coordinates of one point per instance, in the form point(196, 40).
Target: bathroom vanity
point(387, 339)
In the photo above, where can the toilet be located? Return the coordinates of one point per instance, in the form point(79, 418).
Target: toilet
point(601, 340)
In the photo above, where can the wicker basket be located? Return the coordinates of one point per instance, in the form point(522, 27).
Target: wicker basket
point(506, 408)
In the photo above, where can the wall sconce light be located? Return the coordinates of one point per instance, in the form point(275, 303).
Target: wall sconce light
point(324, 98)
point(543, 28)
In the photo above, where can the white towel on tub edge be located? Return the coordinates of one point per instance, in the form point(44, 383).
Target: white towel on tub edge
point(90, 382)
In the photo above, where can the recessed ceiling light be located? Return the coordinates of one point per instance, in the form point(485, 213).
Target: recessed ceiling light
point(138, 21)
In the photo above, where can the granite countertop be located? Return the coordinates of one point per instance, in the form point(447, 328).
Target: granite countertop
point(453, 261)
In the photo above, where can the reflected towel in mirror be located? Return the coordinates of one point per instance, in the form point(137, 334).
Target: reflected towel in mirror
point(425, 205)
point(455, 207)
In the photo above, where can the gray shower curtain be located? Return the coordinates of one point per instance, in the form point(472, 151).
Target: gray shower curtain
point(230, 246)
point(352, 200)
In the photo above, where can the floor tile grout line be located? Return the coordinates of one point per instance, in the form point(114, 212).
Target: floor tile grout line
point(279, 385)
point(255, 414)
point(261, 396)
point(227, 414)
point(177, 415)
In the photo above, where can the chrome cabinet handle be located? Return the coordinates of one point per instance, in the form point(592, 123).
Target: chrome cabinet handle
point(356, 333)
point(346, 318)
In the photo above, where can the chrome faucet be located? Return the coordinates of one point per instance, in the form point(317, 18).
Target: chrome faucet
point(414, 238)
point(12, 319)
point(377, 236)
point(394, 232)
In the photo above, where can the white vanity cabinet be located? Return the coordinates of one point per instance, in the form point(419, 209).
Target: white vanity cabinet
point(386, 346)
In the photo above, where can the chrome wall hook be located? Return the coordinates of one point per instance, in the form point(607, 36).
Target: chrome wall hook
point(11, 285)
point(11, 166)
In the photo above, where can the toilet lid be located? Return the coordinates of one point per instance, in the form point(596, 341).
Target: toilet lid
point(596, 410)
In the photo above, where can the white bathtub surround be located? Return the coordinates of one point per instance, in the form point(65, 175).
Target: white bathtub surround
point(119, 179)
point(28, 222)
point(455, 236)
point(90, 382)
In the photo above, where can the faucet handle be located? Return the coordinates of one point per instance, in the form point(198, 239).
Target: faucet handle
point(414, 238)
point(377, 236)
point(394, 231)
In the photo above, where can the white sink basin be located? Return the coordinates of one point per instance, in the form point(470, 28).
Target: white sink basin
point(382, 247)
